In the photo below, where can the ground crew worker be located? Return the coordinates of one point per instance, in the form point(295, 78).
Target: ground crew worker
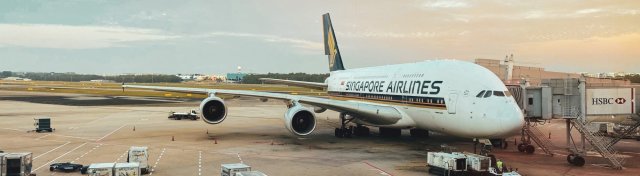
point(499, 165)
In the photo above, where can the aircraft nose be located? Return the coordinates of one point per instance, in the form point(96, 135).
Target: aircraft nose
point(513, 122)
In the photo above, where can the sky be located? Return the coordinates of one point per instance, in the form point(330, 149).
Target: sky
point(282, 36)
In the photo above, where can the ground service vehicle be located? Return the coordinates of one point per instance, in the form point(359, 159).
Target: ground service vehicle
point(233, 169)
point(193, 115)
point(139, 155)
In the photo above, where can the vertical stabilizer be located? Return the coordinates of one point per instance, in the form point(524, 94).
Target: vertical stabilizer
point(330, 45)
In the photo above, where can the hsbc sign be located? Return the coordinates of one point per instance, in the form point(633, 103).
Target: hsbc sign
point(605, 101)
point(610, 101)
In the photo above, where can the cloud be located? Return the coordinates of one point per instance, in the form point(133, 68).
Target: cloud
point(588, 11)
point(75, 37)
point(299, 43)
point(446, 4)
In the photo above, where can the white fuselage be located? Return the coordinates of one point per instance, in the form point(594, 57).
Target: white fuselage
point(438, 95)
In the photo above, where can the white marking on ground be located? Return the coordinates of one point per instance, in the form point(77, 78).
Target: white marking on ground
point(239, 158)
point(12, 129)
point(76, 137)
point(111, 133)
point(97, 146)
point(120, 157)
point(50, 150)
point(199, 162)
point(42, 137)
point(157, 160)
point(59, 156)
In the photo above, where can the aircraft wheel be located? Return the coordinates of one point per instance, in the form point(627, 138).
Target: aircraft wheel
point(578, 161)
point(521, 147)
point(348, 132)
point(529, 149)
point(339, 133)
point(570, 158)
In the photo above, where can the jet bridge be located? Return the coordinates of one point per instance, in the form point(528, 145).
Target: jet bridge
point(567, 99)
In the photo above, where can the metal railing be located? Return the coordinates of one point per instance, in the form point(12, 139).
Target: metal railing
point(600, 143)
point(538, 137)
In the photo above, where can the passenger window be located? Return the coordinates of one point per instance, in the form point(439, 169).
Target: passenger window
point(488, 94)
point(498, 93)
point(480, 94)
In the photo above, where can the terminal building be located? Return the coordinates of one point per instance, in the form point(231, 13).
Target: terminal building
point(513, 74)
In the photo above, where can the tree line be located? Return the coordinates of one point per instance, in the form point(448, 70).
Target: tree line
point(73, 77)
point(254, 78)
point(633, 78)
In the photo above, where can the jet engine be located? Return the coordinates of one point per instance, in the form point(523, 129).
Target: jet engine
point(299, 120)
point(213, 110)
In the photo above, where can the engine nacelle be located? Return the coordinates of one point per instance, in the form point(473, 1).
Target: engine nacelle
point(299, 120)
point(213, 110)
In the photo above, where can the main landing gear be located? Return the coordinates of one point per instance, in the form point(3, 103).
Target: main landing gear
point(347, 132)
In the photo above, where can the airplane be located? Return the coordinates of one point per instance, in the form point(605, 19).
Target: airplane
point(447, 96)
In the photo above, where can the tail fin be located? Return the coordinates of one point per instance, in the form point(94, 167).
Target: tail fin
point(330, 45)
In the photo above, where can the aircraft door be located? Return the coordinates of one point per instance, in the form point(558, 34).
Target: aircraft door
point(452, 102)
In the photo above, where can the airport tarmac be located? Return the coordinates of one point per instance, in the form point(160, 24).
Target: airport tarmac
point(92, 129)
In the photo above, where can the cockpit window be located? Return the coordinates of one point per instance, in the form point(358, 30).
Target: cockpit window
point(480, 94)
point(498, 93)
point(487, 94)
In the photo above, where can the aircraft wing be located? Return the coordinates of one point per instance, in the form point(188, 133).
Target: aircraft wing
point(375, 113)
point(313, 85)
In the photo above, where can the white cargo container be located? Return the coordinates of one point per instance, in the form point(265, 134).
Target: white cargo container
point(250, 173)
point(441, 163)
point(232, 169)
point(126, 169)
point(16, 164)
point(139, 155)
point(476, 162)
point(101, 169)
